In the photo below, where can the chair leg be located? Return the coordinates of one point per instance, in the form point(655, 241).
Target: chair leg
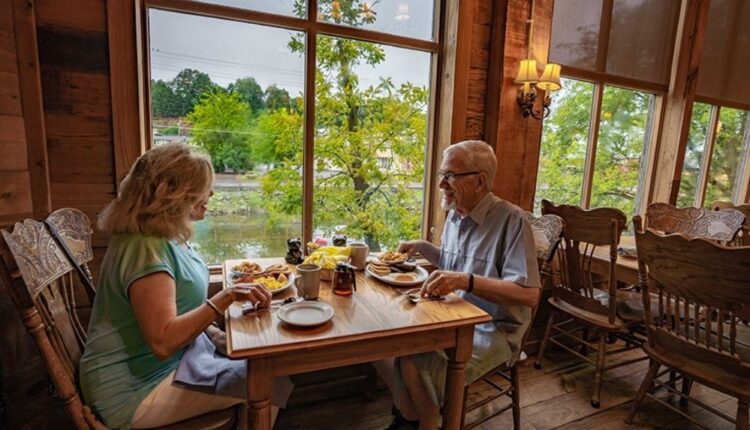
point(601, 352)
point(645, 386)
point(743, 423)
point(585, 338)
point(547, 332)
point(687, 384)
point(515, 396)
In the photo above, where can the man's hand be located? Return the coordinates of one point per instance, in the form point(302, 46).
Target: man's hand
point(412, 247)
point(443, 282)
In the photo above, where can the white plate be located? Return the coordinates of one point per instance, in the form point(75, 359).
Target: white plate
point(420, 274)
point(289, 283)
point(305, 314)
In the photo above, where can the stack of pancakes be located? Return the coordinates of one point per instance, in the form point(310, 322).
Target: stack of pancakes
point(379, 268)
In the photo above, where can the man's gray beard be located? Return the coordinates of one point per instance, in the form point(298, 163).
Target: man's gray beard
point(447, 206)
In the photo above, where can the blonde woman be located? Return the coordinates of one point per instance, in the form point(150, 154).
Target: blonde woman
point(151, 301)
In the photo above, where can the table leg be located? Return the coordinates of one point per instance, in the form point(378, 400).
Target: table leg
point(259, 390)
point(456, 377)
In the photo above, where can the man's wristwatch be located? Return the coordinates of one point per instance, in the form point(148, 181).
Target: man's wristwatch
point(471, 283)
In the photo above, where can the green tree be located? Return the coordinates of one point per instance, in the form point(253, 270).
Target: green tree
point(220, 126)
point(250, 92)
point(369, 143)
point(725, 162)
point(188, 87)
point(277, 98)
point(163, 100)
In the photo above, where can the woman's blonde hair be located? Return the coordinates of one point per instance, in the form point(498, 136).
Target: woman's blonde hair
point(158, 194)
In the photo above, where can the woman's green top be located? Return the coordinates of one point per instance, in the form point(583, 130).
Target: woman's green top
point(117, 369)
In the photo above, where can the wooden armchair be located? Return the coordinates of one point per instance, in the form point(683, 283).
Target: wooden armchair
point(42, 281)
point(547, 230)
point(692, 279)
point(577, 296)
point(717, 225)
point(743, 237)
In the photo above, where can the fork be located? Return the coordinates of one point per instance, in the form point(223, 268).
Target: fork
point(249, 308)
point(414, 297)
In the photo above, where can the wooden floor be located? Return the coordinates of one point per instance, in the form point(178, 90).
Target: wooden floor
point(555, 397)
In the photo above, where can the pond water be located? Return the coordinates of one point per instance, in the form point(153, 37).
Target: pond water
point(222, 237)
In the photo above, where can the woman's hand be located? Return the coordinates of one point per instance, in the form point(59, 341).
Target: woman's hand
point(218, 338)
point(253, 293)
point(442, 282)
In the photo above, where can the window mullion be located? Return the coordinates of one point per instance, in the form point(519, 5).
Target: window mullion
point(713, 125)
point(308, 150)
point(588, 172)
point(742, 182)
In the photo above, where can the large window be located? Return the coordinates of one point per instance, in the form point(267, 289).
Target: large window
point(596, 142)
point(604, 169)
point(716, 156)
point(243, 83)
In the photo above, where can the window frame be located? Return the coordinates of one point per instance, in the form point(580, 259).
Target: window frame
point(311, 27)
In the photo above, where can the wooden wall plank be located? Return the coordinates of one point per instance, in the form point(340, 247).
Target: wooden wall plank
point(65, 48)
point(24, 23)
point(15, 193)
point(10, 94)
point(76, 93)
point(80, 163)
point(12, 144)
point(84, 15)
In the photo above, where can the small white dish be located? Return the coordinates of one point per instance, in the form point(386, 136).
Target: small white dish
point(305, 314)
point(419, 275)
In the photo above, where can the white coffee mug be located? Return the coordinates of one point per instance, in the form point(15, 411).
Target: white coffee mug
point(308, 280)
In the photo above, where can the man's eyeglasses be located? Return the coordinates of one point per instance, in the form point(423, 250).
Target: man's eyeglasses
point(450, 176)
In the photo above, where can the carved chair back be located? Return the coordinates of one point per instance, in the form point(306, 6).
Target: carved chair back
point(720, 226)
point(547, 231)
point(743, 237)
point(700, 288)
point(42, 284)
point(584, 231)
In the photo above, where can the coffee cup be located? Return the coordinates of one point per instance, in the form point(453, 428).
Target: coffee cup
point(359, 254)
point(308, 280)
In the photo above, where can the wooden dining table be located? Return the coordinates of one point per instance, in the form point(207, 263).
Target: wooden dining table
point(627, 267)
point(375, 322)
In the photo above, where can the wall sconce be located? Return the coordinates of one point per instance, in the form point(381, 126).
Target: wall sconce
point(530, 80)
point(402, 12)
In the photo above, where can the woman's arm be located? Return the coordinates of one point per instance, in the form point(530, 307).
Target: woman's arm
point(154, 305)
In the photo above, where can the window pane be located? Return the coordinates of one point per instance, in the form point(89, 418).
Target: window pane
point(412, 18)
point(725, 62)
point(641, 39)
point(575, 33)
point(564, 141)
point(241, 102)
point(725, 160)
point(280, 7)
point(622, 132)
point(371, 134)
point(696, 147)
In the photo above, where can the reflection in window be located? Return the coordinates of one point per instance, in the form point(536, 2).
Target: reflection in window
point(366, 113)
point(732, 132)
point(622, 133)
point(241, 103)
point(564, 141)
point(281, 7)
point(412, 18)
point(696, 147)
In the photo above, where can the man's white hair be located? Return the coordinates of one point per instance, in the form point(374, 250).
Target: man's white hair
point(479, 155)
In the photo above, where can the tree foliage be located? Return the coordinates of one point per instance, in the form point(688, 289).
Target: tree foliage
point(250, 92)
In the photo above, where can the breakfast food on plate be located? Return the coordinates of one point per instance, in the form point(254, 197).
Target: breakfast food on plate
point(248, 266)
point(392, 257)
point(379, 268)
point(404, 277)
point(327, 257)
point(269, 281)
point(276, 269)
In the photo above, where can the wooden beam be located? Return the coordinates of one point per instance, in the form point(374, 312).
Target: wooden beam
point(462, 65)
point(125, 102)
point(24, 22)
point(670, 153)
point(518, 139)
point(495, 72)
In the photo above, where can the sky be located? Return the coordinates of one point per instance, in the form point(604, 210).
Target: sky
point(228, 50)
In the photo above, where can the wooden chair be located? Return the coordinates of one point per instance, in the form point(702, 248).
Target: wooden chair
point(699, 287)
point(575, 293)
point(42, 282)
point(743, 237)
point(717, 225)
point(547, 230)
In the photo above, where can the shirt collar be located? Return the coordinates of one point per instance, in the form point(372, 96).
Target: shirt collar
point(479, 213)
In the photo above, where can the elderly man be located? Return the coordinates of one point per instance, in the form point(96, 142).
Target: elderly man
point(487, 257)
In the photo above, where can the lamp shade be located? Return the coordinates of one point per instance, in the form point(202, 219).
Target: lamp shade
point(527, 72)
point(550, 80)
